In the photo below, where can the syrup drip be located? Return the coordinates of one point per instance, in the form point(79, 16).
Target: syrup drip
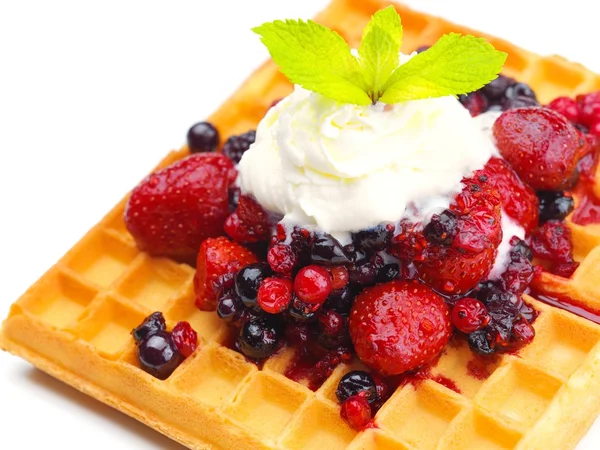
point(568, 304)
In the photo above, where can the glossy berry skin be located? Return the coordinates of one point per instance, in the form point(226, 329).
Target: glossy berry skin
point(274, 295)
point(399, 326)
point(589, 108)
point(356, 412)
point(327, 250)
point(552, 243)
point(374, 239)
point(282, 258)
point(203, 137)
point(442, 228)
point(355, 382)
point(541, 146)
point(158, 355)
point(331, 323)
point(339, 277)
point(302, 312)
point(185, 338)
point(519, 272)
point(555, 205)
point(259, 337)
point(174, 210)
point(229, 307)
point(565, 106)
point(341, 300)
point(218, 257)
point(469, 315)
point(249, 223)
point(248, 281)
point(495, 90)
point(152, 324)
point(518, 199)
point(236, 146)
point(312, 284)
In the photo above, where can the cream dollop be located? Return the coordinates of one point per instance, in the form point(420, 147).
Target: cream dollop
point(346, 167)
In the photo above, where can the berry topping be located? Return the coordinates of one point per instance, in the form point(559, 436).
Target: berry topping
point(356, 411)
point(248, 281)
point(388, 273)
point(339, 277)
point(518, 199)
point(152, 324)
point(158, 355)
point(552, 243)
point(185, 338)
point(235, 146)
point(565, 106)
point(341, 300)
point(354, 383)
point(203, 137)
point(173, 210)
point(555, 205)
point(475, 102)
point(229, 306)
point(313, 284)
point(373, 239)
point(541, 146)
point(399, 326)
point(282, 258)
point(495, 90)
point(327, 250)
point(519, 95)
point(259, 337)
point(218, 258)
point(331, 323)
point(441, 229)
point(589, 108)
point(519, 271)
point(249, 223)
point(469, 315)
point(275, 295)
point(302, 312)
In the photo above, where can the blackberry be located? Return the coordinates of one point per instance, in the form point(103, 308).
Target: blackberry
point(555, 205)
point(203, 137)
point(479, 342)
point(152, 324)
point(442, 228)
point(235, 146)
point(355, 382)
point(158, 355)
point(388, 272)
point(259, 337)
point(374, 239)
point(248, 280)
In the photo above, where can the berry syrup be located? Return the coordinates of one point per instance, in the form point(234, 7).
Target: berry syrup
point(568, 304)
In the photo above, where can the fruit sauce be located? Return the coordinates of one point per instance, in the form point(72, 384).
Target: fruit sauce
point(568, 304)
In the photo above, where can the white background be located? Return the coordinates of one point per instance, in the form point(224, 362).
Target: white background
point(93, 94)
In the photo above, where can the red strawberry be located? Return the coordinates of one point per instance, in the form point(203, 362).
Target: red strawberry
point(399, 326)
point(541, 145)
point(249, 223)
point(173, 210)
point(518, 199)
point(218, 258)
point(458, 267)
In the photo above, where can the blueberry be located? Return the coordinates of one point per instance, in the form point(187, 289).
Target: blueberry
point(259, 337)
point(520, 90)
point(555, 205)
point(363, 273)
point(442, 228)
point(388, 272)
point(152, 324)
point(203, 137)
point(229, 306)
point(327, 250)
point(479, 342)
point(341, 300)
point(248, 280)
point(374, 239)
point(158, 355)
point(519, 102)
point(236, 146)
point(301, 311)
point(495, 89)
point(355, 382)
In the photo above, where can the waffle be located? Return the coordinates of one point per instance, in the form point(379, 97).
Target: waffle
point(75, 323)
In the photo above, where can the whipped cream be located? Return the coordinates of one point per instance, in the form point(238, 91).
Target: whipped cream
point(346, 167)
point(510, 228)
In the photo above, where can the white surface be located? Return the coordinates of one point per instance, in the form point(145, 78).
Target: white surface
point(93, 94)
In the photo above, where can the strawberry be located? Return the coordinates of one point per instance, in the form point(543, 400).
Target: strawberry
point(399, 326)
point(457, 267)
point(541, 145)
point(218, 258)
point(173, 210)
point(249, 223)
point(518, 199)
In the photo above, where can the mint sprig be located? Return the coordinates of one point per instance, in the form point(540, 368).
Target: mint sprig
point(319, 60)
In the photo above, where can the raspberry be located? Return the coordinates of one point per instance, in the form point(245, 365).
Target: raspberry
point(519, 271)
point(469, 315)
point(552, 243)
point(541, 146)
point(185, 338)
point(236, 146)
point(249, 223)
point(565, 106)
point(356, 411)
point(589, 107)
point(281, 258)
point(275, 295)
point(339, 277)
point(313, 284)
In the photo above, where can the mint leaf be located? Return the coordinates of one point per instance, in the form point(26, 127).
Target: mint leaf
point(316, 58)
point(455, 65)
point(379, 49)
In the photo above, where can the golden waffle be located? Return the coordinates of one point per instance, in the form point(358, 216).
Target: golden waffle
point(74, 323)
